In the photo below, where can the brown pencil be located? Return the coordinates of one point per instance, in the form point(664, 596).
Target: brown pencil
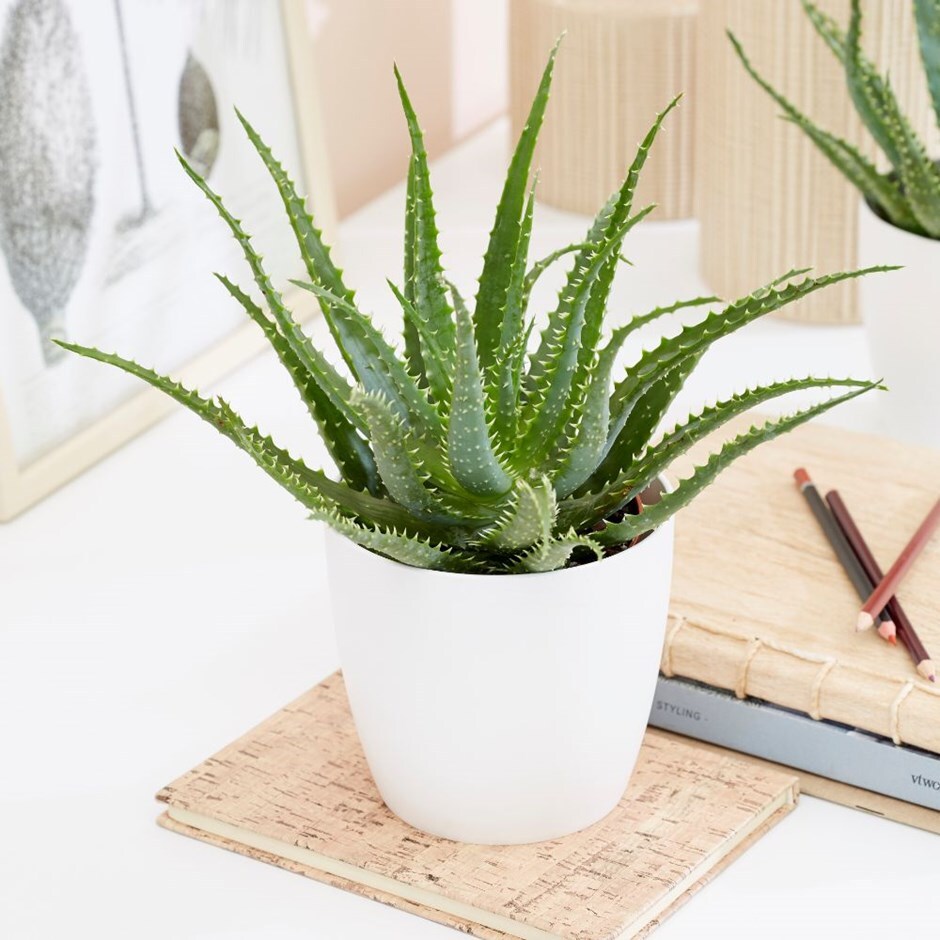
point(843, 551)
point(887, 586)
point(905, 629)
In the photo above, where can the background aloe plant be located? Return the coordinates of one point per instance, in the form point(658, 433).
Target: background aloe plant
point(475, 450)
point(909, 195)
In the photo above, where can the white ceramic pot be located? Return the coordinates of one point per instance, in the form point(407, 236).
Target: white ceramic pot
point(501, 709)
point(901, 311)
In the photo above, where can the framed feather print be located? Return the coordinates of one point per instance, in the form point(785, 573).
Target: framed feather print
point(103, 240)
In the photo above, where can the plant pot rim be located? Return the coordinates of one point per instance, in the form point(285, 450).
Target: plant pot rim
point(875, 210)
point(654, 536)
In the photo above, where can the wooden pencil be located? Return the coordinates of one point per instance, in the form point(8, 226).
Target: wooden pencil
point(841, 547)
point(905, 629)
point(887, 587)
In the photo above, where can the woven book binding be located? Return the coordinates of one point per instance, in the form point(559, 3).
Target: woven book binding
point(761, 606)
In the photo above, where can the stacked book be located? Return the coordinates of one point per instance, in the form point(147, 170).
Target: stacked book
point(761, 652)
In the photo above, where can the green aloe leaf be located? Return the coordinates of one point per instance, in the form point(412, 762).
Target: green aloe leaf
point(879, 110)
point(581, 457)
point(548, 406)
point(503, 392)
point(827, 28)
point(504, 239)
point(657, 313)
point(695, 428)
point(313, 360)
point(510, 366)
point(610, 227)
point(399, 460)
point(605, 236)
point(555, 553)
point(560, 368)
point(600, 294)
point(606, 462)
point(513, 314)
point(593, 240)
point(527, 520)
point(927, 16)
point(872, 98)
point(919, 180)
point(695, 339)
point(473, 458)
point(658, 513)
point(313, 250)
point(219, 415)
point(326, 395)
point(543, 264)
point(407, 549)
point(290, 471)
point(377, 366)
point(312, 488)
point(425, 288)
point(647, 412)
point(636, 476)
point(413, 354)
point(438, 375)
point(861, 172)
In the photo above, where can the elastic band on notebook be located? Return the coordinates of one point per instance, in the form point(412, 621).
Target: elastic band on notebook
point(906, 690)
point(754, 646)
point(666, 665)
point(816, 690)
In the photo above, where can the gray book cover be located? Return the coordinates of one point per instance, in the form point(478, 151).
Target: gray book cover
point(789, 737)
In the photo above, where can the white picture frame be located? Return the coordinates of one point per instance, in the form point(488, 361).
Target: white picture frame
point(24, 482)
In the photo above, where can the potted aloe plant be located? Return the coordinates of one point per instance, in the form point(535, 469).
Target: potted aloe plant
point(899, 216)
point(499, 527)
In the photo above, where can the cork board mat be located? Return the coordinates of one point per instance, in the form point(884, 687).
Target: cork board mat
point(761, 606)
point(300, 778)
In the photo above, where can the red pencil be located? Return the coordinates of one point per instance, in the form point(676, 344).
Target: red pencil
point(886, 588)
point(905, 629)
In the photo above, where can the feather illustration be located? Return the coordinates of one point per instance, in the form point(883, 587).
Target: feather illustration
point(47, 162)
point(198, 117)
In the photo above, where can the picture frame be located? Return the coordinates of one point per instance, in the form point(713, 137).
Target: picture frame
point(23, 481)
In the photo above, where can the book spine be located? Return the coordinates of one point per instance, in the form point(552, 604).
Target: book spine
point(903, 710)
point(796, 740)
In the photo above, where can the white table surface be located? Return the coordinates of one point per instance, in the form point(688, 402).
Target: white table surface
point(170, 598)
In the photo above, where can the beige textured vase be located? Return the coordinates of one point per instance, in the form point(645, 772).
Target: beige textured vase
point(622, 61)
point(767, 199)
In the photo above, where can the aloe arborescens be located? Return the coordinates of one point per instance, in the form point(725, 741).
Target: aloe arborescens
point(475, 450)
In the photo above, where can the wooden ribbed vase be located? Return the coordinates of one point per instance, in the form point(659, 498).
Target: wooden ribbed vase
point(622, 61)
point(767, 199)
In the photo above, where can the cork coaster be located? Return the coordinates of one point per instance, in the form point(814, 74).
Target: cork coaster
point(296, 792)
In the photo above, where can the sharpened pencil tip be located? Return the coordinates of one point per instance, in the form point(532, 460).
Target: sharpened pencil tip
point(888, 631)
point(926, 669)
point(865, 621)
point(802, 477)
